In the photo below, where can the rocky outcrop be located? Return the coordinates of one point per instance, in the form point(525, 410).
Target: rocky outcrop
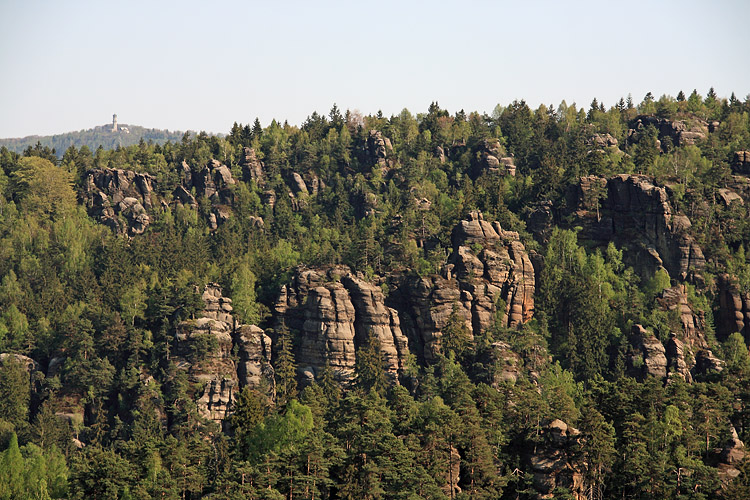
point(730, 457)
point(488, 278)
point(378, 147)
point(203, 348)
point(298, 184)
point(252, 168)
point(555, 463)
point(602, 141)
point(508, 364)
point(688, 350)
point(741, 162)
point(334, 313)
point(632, 211)
point(183, 196)
point(120, 199)
point(492, 158)
point(677, 361)
point(254, 359)
point(734, 308)
point(500, 270)
point(648, 356)
point(214, 182)
point(679, 132)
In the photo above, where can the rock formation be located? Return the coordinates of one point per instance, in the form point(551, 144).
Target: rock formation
point(203, 348)
point(120, 199)
point(688, 353)
point(679, 132)
point(632, 211)
point(378, 147)
point(213, 182)
point(741, 162)
point(252, 168)
point(555, 463)
point(648, 356)
point(334, 313)
point(489, 267)
point(730, 456)
point(734, 308)
point(493, 159)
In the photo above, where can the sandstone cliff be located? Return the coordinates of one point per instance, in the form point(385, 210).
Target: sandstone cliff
point(334, 313)
point(634, 212)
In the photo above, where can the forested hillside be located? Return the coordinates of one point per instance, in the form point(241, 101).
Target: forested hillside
point(104, 136)
point(540, 303)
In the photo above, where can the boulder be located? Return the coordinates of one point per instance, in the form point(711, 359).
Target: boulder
point(299, 184)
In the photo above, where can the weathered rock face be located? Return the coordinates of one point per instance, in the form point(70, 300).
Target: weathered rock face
point(254, 364)
point(252, 168)
point(489, 267)
point(602, 141)
point(501, 270)
point(741, 162)
point(556, 462)
point(335, 313)
point(509, 364)
point(677, 361)
point(215, 367)
point(688, 353)
point(213, 182)
point(734, 308)
point(631, 211)
point(730, 457)
point(492, 158)
point(120, 199)
point(299, 184)
point(378, 147)
point(648, 356)
point(679, 132)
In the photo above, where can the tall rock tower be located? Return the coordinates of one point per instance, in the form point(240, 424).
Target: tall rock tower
point(114, 123)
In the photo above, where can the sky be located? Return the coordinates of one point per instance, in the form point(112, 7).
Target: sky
point(203, 65)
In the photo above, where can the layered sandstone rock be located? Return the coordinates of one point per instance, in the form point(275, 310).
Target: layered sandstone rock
point(213, 182)
point(679, 132)
point(378, 147)
point(734, 308)
point(632, 211)
point(120, 199)
point(252, 168)
point(203, 348)
point(741, 162)
point(488, 279)
point(648, 356)
point(334, 313)
point(555, 463)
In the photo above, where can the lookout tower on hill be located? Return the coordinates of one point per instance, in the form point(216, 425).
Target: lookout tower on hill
point(114, 123)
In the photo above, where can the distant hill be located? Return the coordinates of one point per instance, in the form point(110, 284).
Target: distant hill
point(103, 135)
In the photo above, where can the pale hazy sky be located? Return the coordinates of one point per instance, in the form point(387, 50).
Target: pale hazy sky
point(202, 65)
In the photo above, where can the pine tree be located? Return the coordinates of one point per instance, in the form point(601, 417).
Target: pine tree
point(286, 368)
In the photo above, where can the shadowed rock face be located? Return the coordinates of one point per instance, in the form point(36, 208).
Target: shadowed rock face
point(556, 463)
point(734, 308)
point(335, 313)
point(632, 211)
point(252, 168)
